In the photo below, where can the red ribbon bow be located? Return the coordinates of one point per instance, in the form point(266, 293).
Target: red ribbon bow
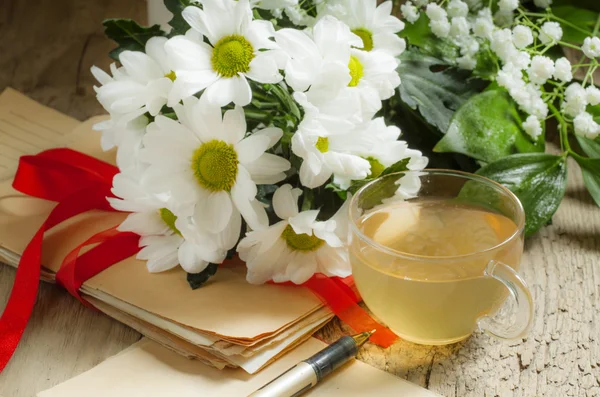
point(80, 183)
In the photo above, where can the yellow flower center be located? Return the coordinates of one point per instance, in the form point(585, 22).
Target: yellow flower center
point(215, 165)
point(376, 167)
point(322, 144)
point(232, 55)
point(169, 219)
point(366, 37)
point(300, 242)
point(356, 71)
point(171, 75)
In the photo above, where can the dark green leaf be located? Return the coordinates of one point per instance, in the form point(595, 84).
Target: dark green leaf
point(196, 280)
point(396, 167)
point(129, 35)
point(487, 127)
point(580, 17)
point(537, 179)
point(592, 182)
point(437, 94)
point(589, 146)
point(419, 34)
point(343, 194)
point(176, 7)
point(592, 165)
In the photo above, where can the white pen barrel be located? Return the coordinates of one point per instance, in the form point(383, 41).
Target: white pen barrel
point(291, 383)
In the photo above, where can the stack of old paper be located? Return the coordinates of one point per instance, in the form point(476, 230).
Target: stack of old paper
point(226, 323)
point(148, 370)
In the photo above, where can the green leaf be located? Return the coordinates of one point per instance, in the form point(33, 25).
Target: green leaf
point(592, 182)
point(129, 35)
point(580, 17)
point(487, 62)
point(176, 7)
point(589, 146)
point(399, 166)
point(539, 180)
point(419, 35)
point(487, 127)
point(436, 94)
point(196, 280)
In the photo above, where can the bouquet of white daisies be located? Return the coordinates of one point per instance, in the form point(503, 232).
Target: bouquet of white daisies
point(247, 127)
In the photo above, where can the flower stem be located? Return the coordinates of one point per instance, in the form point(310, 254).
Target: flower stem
point(557, 19)
point(564, 138)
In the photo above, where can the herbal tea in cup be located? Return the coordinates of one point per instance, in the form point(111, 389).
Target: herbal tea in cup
point(434, 254)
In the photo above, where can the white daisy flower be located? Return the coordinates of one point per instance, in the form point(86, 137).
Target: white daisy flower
point(141, 85)
point(374, 24)
point(327, 155)
point(166, 240)
point(297, 247)
point(240, 48)
point(208, 165)
point(374, 78)
point(319, 61)
point(381, 148)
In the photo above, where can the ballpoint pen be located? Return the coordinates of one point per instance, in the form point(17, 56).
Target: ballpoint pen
point(306, 374)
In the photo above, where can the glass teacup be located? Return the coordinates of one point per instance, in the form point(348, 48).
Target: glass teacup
point(435, 253)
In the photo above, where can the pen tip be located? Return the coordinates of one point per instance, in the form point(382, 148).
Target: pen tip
point(373, 331)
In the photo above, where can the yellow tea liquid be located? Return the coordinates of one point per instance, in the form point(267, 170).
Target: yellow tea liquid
point(436, 291)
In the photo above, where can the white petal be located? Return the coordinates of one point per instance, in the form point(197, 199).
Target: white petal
point(186, 54)
point(285, 201)
point(155, 48)
point(234, 125)
point(140, 66)
point(189, 260)
point(268, 164)
point(304, 221)
point(251, 148)
point(333, 262)
point(264, 69)
point(190, 83)
point(230, 236)
point(144, 224)
point(258, 34)
point(101, 75)
point(200, 20)
point(214, 211)
point(243, 197)
point(226, 90)
point(301, 268)
point(389, 42)
point(312, 180)
point(273, 133)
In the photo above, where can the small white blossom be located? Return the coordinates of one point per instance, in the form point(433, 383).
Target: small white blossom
point(511, 78)
point(585, 126)
point(466, 62)
point(436, 13)
point(459, 27)
point(410, 12)
point(522, 36)
point(591, 47)
point(536, 104)
point(542, 3)
point(483, 27)
point(541, 69)
point(508, 5)
point(457, 8)
point(532, 127)
point(521, 60)
point(440, 28)
point(562, 70)
point(502, 44)
point(504, 18)
point(592, 95)
point(551, 32)
point(575, 100)
point(469, 46)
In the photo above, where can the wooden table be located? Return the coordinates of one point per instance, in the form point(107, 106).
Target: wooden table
point(46, 51)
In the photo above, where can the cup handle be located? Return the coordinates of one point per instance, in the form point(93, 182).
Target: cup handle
point(522, 296)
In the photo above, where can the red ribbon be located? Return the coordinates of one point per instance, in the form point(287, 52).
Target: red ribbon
point(78, 183)
point(336, 293)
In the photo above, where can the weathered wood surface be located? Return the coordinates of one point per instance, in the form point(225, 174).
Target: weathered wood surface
point(46, 50)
